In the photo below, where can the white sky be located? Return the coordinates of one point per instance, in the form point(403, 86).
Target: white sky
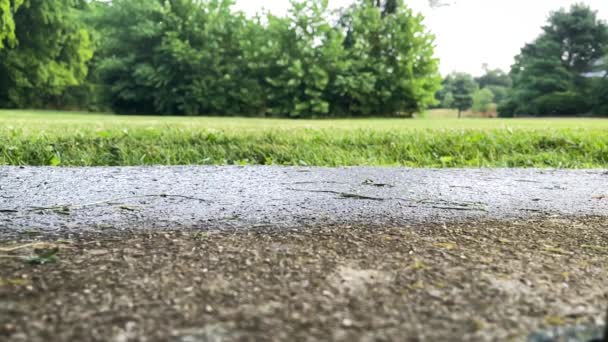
point(471, 32)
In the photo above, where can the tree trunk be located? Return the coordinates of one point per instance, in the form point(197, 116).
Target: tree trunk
point(459, 113)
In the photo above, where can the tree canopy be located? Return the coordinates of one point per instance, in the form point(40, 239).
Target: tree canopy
point(201, 57)
point(457, 91)
point(7, 22)
point(44, 51)
point(390, 64)
point(197, 57)
point(550, 75)
point(497, 82)
point(482, 100)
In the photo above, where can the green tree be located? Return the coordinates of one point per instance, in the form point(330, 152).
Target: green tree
point(600, 87)
point(391, 68)
point(461, 86)
point(445, 89)
point(200, 60)
point(448, 100)
point(549, 73)
point(131, 33)
point(582, 37)
point(600, 68)
point(177, 57)
point(47, 52)
point(387, 6)
point(305, 53)
point(200, 57)
point(601, 97)
point(500, 93)
point(482, 100)
point(494, 77)
point(497, 81)
point(7, 22)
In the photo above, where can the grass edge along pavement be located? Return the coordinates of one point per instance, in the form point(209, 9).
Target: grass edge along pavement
point(40, 139)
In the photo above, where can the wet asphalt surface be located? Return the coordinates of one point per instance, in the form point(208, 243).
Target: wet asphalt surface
point(75, 200)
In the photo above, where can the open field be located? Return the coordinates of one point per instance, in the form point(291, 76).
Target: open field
point(452, 114)
point(482, 281)
point(73, 139)
point(49, 121)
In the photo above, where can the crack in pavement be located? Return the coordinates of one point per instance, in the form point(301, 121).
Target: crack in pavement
point(434, 203)
point(343, 194)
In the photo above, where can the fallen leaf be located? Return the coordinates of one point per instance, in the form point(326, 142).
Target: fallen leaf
point(418, 265)
point(555, 320)
point(14, 282)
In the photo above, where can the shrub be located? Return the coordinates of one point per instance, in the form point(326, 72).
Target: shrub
point(482, 100)
point(561, 103)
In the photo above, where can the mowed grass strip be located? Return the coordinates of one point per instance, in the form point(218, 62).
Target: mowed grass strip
point(66, 139)
point(34, 122)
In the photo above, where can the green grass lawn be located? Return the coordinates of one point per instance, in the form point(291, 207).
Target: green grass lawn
point(48, 121)
point(78, 139)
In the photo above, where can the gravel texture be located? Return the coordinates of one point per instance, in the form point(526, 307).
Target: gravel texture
point(483, 281)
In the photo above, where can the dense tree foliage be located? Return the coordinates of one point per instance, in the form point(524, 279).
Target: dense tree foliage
point(444, 97)
point(600, 87)
point(457, 91)
point(194, 57)
point(303, 56)
point(481, 94)
point(482, 100)
point(496, 81)
point(551, 76)
point(494, 77)
point(44, 53)
point(387, 6)
point(463, 88)
point(7, 22)
point(173, 57)
point(201, 57)
point(390, 65)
